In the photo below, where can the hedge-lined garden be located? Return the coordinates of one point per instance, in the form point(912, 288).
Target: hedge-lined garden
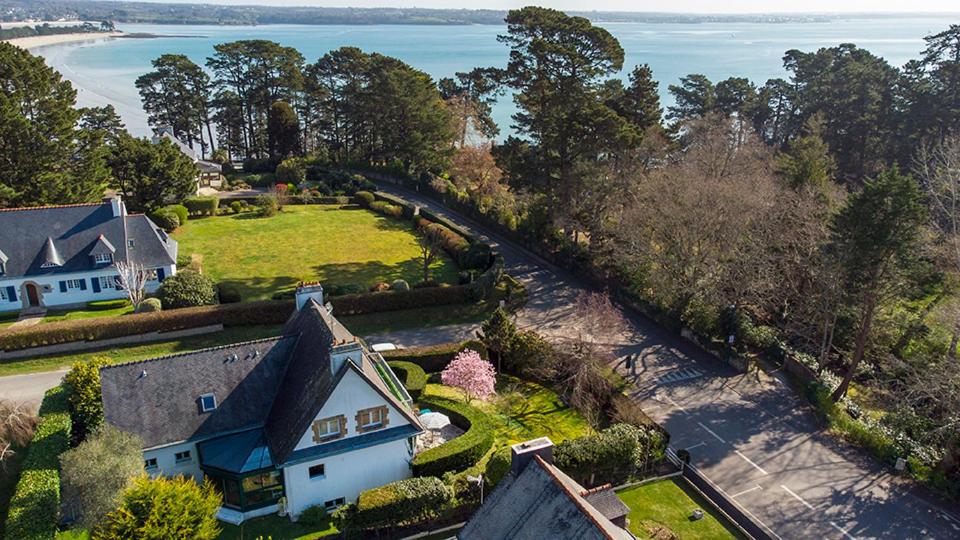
point(35, 505)
point(462, 452)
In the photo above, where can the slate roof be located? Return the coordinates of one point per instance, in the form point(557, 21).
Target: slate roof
point(277, 384)
point(605, 500)
point(541, 502)
point(68, 233)
point(158, 399)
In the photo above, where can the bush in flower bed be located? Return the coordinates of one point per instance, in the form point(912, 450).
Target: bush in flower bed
point(413, 376)
point(35, 505)
point(243, 314)
point(462, 452)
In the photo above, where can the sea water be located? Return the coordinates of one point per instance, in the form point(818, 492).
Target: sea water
point(104, 72)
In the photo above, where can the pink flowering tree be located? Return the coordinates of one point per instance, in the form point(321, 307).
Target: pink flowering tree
point(471, 373)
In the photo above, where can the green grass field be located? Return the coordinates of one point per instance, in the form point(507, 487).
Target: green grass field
point(668, 504)
point(318, 242)
point(277, 528)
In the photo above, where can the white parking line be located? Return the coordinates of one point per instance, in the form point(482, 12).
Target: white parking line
point(797, 497)
point(677, 405)
point(698, 445)
point(839, 528)
point(754, 488)
point(742, 507)
point(710, 431)
point(755, 466)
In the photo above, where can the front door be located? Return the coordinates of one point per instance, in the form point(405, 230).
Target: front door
point(33, 297)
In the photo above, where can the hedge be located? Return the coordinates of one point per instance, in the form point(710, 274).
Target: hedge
point(413, 377)
point(243, 314)
point(202, 206)
point(355, 304)
point(35, 505)
point(462, 452)
point(105, 305)
point(432, 359)
point(402, 502)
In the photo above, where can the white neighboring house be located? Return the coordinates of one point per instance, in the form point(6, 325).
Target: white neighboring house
point(63, 256)
point(308, 418)
point(210, 172)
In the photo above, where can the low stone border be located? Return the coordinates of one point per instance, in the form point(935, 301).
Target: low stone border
point(74, 346)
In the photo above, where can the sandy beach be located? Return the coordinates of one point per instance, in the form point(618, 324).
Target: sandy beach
point(57, 39)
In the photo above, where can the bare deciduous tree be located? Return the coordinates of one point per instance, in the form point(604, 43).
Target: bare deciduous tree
point(133, 279)
point(598, 317)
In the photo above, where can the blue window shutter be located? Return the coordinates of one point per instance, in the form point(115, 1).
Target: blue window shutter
point(160, 274)
point(11, 294)
point(63, 286)
point(83, 284)
point(95, 282)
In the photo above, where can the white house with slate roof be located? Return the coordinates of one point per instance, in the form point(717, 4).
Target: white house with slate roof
point(61, 256)
point(310, 417)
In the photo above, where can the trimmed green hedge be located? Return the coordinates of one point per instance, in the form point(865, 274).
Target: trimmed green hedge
point(356, 304)
point(106, 305)
point(202, 206)
point(432, 359)
point(413, 377)
point(243, 314)
point(462, 452)
point(402, 502)
point(35, 505)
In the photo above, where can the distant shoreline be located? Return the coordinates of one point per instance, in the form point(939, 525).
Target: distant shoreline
point(34, 42)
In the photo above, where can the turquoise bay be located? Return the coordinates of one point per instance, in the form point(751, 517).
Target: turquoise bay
point(104, 72)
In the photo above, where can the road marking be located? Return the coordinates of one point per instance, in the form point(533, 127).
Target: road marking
point(678, 375)
point(755, 466)
point(797, 497)
point(710, 431)
point(754, 488)
point(839, 528)
point(677, 405)
point(742, 507)
point(698, 445)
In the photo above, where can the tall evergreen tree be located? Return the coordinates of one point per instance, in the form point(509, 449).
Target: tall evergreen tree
point(150, 174)
point(694, 97)
point(283, 130)
point(176, 94)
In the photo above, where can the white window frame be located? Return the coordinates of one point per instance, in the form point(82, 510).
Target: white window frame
point(103, 258)
point(320, 476)
point(334, 503)
point(333, 421)
point(107, 282)
point(73, 284)
point(371, 411)
point(183, 457)
point(150, 464)
point(203, 405)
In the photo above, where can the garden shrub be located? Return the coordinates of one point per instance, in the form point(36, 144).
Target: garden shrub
point(400, 285)
point(228, 293)
point(364, 198)
point(187, 289)
point(854, 431)
point(236, 206)
point(202, 206)
point(35, 505)
point(107, 305)
point(414, 378)
point(476, 256)
point(165, 219)
point(432, 359)
point(497, 467)
point(180, 210)
point(267, 205)
point(266, 312)
point(81, 385)
point(164, 508)
point(387, 209)
point(460, 453)
point(313, 516)
point(403, 502)
point(150, 305)
point(342, 289)
point(476, 345)
point(486, 283)
point(259, 165)
point(291, 171)
point(614, 455)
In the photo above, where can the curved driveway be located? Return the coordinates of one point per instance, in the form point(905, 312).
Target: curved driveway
point(748, 433)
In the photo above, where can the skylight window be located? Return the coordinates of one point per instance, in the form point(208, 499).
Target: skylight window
point(208, 402)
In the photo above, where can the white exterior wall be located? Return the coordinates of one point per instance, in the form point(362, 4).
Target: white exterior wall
point(49, 289)
point(167, 465)
point(346, 475)
point(349, 473)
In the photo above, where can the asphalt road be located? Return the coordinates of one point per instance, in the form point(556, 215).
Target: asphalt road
point(29, 387)
point(748, 433)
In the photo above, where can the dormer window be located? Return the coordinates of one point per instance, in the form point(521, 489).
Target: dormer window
point(102, 258)
point(208, 402)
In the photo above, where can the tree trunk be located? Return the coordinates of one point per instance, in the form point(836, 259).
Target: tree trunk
point(827, 344)
point(861, 344)
point(952, 351)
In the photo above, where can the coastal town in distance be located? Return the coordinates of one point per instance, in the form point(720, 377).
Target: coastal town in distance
point(350, 269)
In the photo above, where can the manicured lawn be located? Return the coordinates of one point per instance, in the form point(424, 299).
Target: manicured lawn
point(56, 316)
point(530, 411)
point(668, 504)
point(317, 242)
point(117, 355)
point(277, 528)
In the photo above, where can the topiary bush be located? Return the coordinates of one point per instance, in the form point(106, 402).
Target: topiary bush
point(202, 206)
point(460, 453)
point(165, 219)
point(150, 305)
point(364, 198)
point(414, 378)
point(400, 285)
point(228, 293)
point(180, 210)
point(187, 289)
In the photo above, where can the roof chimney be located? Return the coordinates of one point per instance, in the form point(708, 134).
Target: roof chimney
point(119, 209)
point(522, 453)
point(306, 291)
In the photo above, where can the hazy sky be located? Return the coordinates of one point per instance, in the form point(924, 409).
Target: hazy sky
point(688, 6)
